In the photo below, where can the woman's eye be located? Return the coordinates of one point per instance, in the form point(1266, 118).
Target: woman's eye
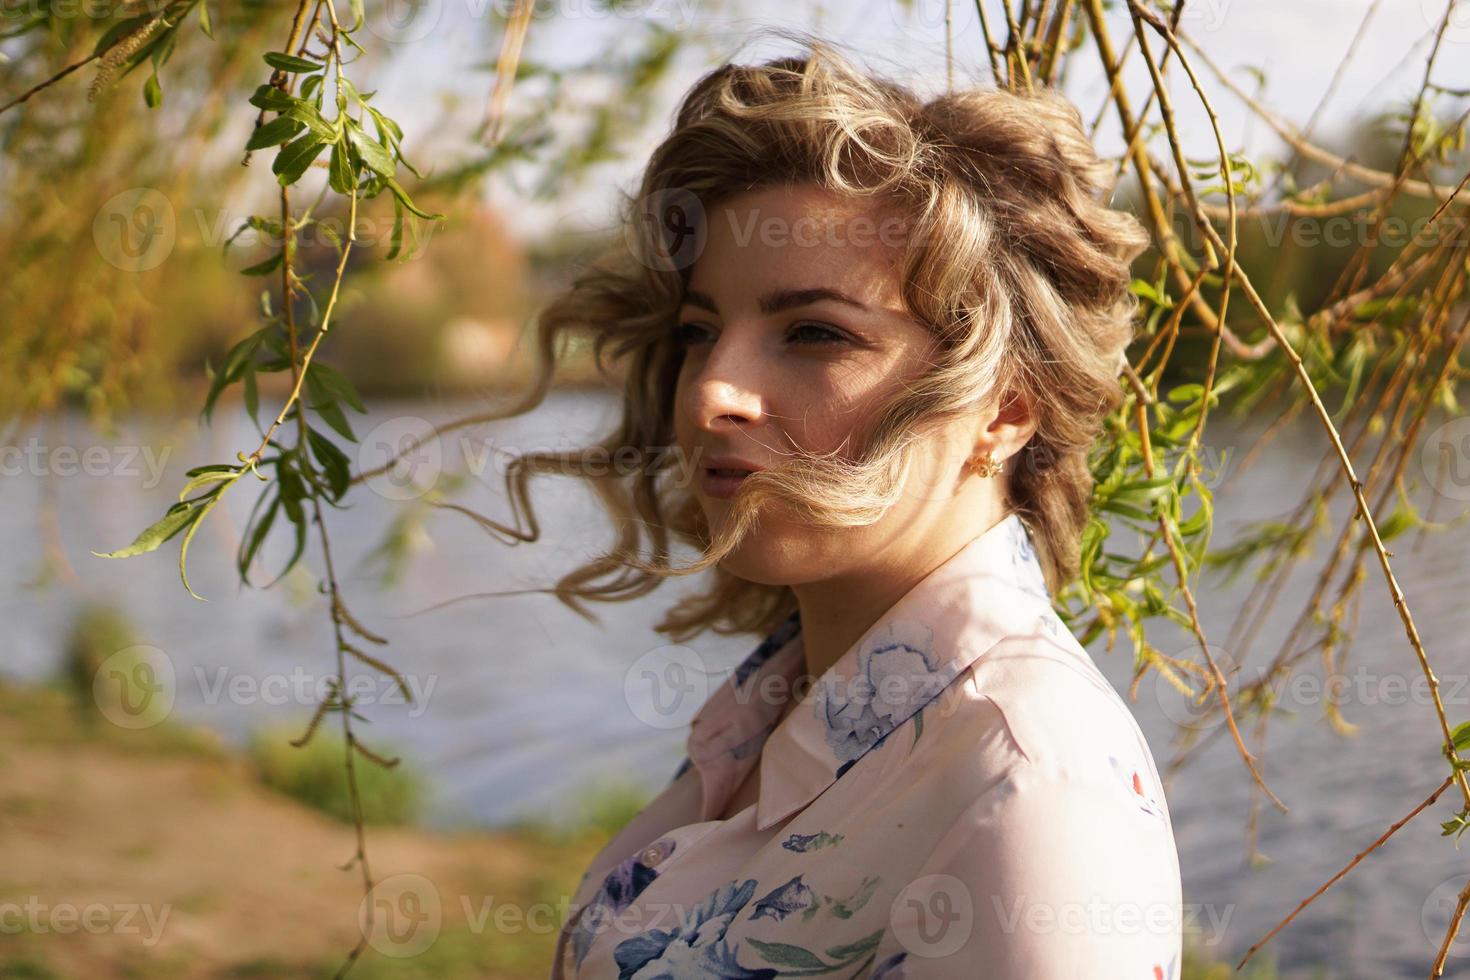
point(688, 333)
point(807, 333)
point(810, 332)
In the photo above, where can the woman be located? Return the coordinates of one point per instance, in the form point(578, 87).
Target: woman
point(881, 334)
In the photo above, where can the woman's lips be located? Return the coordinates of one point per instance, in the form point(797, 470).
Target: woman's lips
point(722, 474)
point(721, 483)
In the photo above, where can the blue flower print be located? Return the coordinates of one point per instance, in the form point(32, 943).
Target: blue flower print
point(1023, 559)
point(890, 969)
point(623, 884)
point(750, 745)
point(781, 902)
point(801, 843)
point(897, 675)
point(697, 949)
point(768, 648)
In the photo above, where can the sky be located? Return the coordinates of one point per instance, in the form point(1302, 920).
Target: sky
point(1298, 44)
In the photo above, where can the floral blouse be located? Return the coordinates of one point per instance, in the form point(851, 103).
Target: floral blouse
point(961, 795)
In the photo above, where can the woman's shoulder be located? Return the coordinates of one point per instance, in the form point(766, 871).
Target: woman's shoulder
point(1046, 822)
point(1034, 705)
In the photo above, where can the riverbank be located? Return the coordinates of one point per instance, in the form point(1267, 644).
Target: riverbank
point(158, 853)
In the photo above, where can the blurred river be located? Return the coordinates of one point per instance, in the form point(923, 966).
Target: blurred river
point(524, 705)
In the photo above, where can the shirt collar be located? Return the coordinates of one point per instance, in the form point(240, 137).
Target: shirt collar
point(931, 635)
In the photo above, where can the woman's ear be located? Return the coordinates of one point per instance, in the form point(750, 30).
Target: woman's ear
point(1012, 426)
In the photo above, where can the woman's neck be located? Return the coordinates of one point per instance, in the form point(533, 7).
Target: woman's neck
point(835, 613)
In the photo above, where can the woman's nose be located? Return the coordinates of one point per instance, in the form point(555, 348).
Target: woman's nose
point(726, 391)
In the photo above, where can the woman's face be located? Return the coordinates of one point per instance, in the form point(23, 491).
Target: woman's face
point(794, 333)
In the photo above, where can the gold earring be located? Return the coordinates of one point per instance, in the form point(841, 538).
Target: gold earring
point(986, 464)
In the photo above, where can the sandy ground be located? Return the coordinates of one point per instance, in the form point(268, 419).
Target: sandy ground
point(129, 856)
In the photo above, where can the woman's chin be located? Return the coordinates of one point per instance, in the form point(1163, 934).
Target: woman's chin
point(768, 558)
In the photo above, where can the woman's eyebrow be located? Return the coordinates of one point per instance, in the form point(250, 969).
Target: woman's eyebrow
point(783, 299)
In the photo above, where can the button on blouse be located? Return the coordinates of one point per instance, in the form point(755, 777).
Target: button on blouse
point(962, 794)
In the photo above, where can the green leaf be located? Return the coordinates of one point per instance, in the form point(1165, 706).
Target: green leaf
point(291, 494)
point(340, 174)
point(204, 23)
point(350, 90)
point(389, 134)
point(326, 406)
point(331, 414)
point(336, 382)
point(279, 130)
point(1403, 518)
point(272, 98)
point(175, 520)
point(234, 364)
point(335, 463)
point(1183, 394)
point(252, 393)
point(162, 49)
point(296, 157)
point(395, 240)
point(330, 234)
point(373, 153)
point(211, 468)
point(254, 537)
point(402, 195)
point(1143, 289)
point(268, 226)
point(203, 511)
point(267, 267)
point(315, 121)
point(289, 62)
point(227, 475)
point(1199, 522)
point(152, 92)
point(293, 491)
point(1127, 511)
point(1461, 736)
point(1140, 494)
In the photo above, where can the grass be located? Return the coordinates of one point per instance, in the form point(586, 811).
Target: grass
point(25, 968)
point(603, 809)
point(314, 774)
point(1197, 965)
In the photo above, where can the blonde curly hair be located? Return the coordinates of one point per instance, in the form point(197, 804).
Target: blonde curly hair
point(1025, 289)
